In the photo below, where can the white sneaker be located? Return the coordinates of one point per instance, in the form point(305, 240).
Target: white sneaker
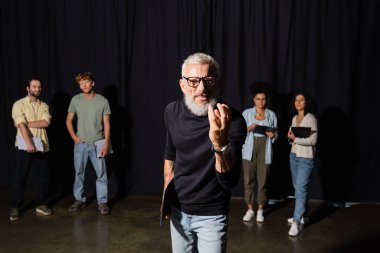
point(303, 221)
point(249, 215)
point(294, 229)
point(260, 216)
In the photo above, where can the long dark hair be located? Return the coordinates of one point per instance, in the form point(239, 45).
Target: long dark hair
point(310, 106)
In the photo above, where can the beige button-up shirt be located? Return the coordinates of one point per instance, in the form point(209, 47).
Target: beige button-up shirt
point(24, 110)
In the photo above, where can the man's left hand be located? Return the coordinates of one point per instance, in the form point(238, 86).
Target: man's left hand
point(220, 121)
point(104, 152)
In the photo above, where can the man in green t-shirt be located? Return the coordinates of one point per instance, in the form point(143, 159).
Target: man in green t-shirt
point(92, 140)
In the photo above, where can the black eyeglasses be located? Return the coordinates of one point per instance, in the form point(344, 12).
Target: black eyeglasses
point(195, 81)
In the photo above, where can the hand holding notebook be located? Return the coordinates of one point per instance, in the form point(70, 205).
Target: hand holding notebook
point(99, 146)
point(37, 142)
point(263, 129)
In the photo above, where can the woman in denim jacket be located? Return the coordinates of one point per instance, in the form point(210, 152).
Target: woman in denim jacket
point(257, 150)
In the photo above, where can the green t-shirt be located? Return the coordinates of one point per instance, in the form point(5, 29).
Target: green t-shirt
point(90, 113)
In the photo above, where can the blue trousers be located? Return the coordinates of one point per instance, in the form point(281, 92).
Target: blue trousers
point(301, 169)
point(82, 152)
point(194, 233)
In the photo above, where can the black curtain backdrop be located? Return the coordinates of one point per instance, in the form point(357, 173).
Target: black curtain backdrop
point(327, 48)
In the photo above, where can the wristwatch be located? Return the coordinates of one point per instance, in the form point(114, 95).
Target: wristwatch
point(224, 150)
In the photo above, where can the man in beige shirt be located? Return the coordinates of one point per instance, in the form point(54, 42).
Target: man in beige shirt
point(31, 117)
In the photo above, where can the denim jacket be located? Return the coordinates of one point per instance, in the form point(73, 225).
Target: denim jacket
point(249, 115)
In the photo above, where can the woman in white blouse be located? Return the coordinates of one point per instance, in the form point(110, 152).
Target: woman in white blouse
point(301, 156)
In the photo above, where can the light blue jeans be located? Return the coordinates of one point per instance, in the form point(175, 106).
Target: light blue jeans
point(82, 152)
point(194, 233)
point(301, 169)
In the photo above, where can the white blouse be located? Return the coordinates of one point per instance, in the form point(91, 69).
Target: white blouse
point(305, 147)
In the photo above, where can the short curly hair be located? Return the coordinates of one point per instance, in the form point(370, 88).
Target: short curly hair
point(259, 87)
point(84, 76)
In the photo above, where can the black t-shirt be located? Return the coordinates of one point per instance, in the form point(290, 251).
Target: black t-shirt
point(200, 188)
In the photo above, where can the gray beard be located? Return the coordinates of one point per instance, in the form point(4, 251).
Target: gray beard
point(198, 110)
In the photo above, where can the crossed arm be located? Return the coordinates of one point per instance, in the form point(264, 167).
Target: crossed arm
point(25, 132)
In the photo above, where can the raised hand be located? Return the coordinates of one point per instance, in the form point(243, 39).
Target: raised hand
point(220, 122)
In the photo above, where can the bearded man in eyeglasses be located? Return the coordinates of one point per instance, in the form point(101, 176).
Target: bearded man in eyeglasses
point(202, 158)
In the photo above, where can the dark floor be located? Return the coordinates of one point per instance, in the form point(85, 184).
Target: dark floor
point(133, 226)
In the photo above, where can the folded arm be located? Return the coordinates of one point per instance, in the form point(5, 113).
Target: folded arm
point(38, 124)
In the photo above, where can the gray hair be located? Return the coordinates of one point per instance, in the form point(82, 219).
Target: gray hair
point(202, 59)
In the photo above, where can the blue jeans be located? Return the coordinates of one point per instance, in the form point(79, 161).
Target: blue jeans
point(194, 233)
point(301, 169)
point(82, 152)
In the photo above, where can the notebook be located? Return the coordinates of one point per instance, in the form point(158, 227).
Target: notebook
point(99, 145)
point(36, 141)
point(167, 199)
point(302, 132)
point(262, 129)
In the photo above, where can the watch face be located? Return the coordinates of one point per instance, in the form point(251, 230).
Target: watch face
point(225, 150)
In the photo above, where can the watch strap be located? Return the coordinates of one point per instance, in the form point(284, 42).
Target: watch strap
point(225, 149)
